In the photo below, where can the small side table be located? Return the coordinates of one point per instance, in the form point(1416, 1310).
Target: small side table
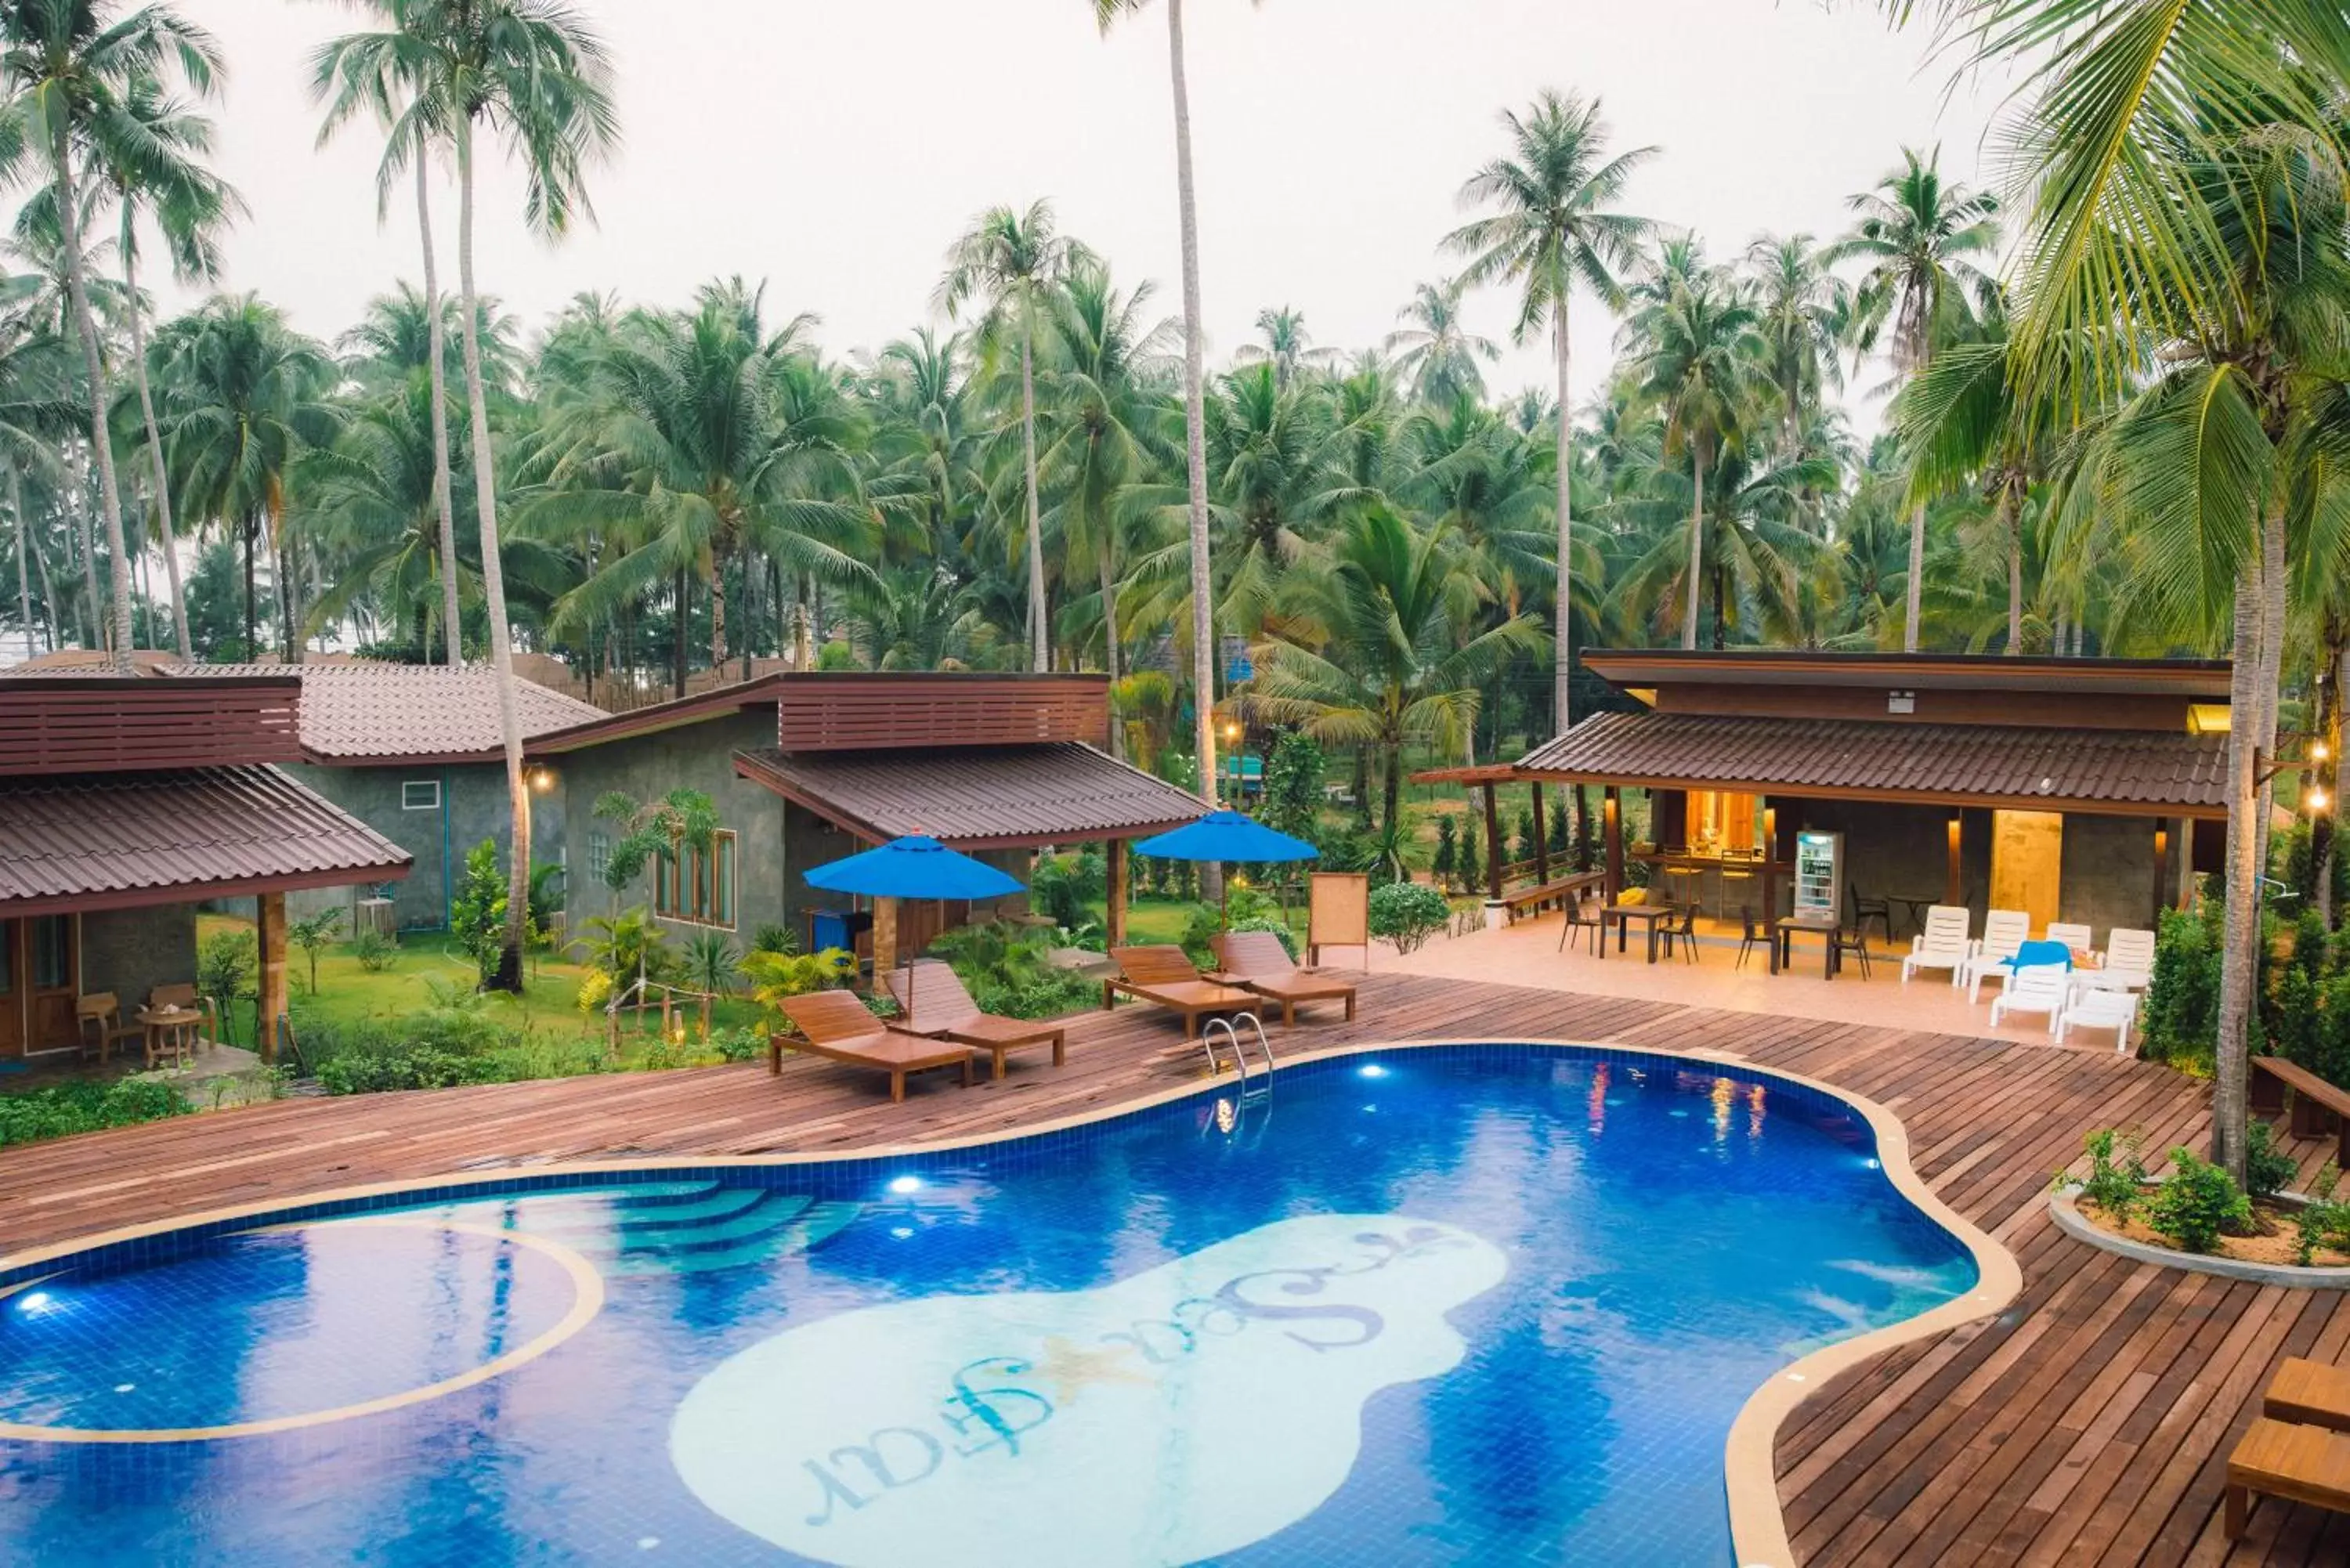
point(171, 1031)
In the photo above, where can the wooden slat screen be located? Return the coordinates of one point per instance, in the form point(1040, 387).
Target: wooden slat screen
point(815, 713)
point(73, 725)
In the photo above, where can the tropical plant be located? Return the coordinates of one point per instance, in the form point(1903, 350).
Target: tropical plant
point(312, 936)
point(1406, 914)
point(1554, 231)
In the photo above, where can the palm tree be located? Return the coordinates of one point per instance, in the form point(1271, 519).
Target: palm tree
point(156, 172)
point(68, 68)
point(1436, 351)
point(535, 74)
point(1195, 416)
point(1702, 345)
point(1802, 310)
point(1106, 436)
point(1385, 671)
point(1015, 260)
point(385, 71)
point(2146, 143)
point(1287, 345)
point(243, 397)
point(1556, 229)
point(1917, 234)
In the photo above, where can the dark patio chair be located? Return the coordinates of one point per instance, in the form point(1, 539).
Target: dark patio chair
point(1752, 935)
point(1853, 943)
point(1864, 910)
point(1680, 933)
point(1580, 918)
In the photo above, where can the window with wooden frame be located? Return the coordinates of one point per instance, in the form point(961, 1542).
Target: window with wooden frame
point(691, 885)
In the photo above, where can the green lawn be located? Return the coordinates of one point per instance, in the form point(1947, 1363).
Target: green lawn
point(346, 993)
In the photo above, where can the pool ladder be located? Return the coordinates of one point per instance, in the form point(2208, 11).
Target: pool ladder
point(1232, 1036)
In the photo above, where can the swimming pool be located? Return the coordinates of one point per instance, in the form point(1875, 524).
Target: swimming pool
point(1449, 1304)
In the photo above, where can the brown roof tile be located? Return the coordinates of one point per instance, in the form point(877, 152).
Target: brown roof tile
point(95, 841)
point(1059, 792)
point(364, 711)
point(1944, 762)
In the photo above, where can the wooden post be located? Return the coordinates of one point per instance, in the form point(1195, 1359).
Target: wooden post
point(1493, 843)
point(2161, 867)
point(1954, 884)
point(1118, 874)
point(270, 1005)
point(1541, 840)
point(1611, 822)
point(885, 943)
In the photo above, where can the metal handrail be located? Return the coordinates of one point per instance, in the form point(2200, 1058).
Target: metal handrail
point(1239, 1057)
point(1263, 1044)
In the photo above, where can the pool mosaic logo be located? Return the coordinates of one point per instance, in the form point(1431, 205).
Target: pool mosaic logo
point(1183, 1412)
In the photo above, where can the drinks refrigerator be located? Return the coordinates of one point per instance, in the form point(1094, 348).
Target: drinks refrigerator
point(1819, 874)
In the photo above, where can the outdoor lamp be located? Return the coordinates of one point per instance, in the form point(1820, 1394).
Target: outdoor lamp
point(2316, 799)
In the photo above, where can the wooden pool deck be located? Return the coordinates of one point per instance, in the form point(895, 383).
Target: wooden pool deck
point(2089, 1424)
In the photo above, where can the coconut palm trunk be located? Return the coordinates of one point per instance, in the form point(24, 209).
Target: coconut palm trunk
point(494, 589)
point(1563, 654)
point(93, 366)
point(155, 449)
point(93, 635)
point(1696, 567)
point(451, 633)
point(2010, 506)
point(1040, 655)
point(23, 554)
point(1195, 422)
point(1917, 585)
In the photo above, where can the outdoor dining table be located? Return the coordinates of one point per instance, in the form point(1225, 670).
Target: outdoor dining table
point(170, 1031)
point(1783, 941)
point(1622, 915)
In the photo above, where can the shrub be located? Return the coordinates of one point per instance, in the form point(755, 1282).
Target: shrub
point(2325, 1220)
point(2198, 1204)
point(1061, 886)
point(2268, 1170)
point(477, 913)
point(2114, 1187)
point(61, 1110)
point(744, 1045)
point(376, 951)
point(1447, 858)
point(227, 964)
point(772, 937)
point(1408, 914)
point(711, 963)
point(595, 992)
point(775, 976)
point(312, 936)
point(2182, 1003)
point(1009, 971)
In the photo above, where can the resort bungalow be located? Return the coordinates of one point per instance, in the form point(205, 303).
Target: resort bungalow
point(416, 751)
point(124, 804)
point(2082, 790)
point(808, 768)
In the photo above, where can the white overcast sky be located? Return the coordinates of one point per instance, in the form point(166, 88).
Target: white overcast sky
point(835, 149)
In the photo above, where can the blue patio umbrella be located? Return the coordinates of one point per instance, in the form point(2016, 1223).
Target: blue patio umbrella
point(912, 868)
point(1227, 836)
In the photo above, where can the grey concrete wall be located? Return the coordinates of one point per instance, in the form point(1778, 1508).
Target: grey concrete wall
point(2108, 877)
point(131, 952)
point(697, 757)
point(1901, 851)
point(474, 806)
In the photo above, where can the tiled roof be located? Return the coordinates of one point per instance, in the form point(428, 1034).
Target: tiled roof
point(97, 840)
point(364, 710)
point(1056, 793)
point(1987, 763)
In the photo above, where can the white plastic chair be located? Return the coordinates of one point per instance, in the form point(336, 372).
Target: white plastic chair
point(1943, 943)
point(2113, 1010)
point(2041, 988)
point(2004, 930)
point(2078, 938)
point(2129, 961)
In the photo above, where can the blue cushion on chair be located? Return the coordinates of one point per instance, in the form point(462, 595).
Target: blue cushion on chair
point(2032, 955)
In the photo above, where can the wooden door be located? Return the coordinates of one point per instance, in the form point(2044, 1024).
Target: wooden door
point(2027, 860)
point(51, 978)
point(12, 989)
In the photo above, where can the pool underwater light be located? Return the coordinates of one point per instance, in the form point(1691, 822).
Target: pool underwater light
point(35, 1300)
point(1373, 1071)
point(907, 1184)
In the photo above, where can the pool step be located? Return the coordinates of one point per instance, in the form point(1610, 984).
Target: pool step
point(819, 1221)
point(662, 1228)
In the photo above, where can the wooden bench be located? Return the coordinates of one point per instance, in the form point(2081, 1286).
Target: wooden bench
point(2310, 1393)
point(2299, 1464)
point(1558, 891)
point(2315, 1102)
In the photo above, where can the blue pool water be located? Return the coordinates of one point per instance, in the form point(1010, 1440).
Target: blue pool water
point(1451, 1305)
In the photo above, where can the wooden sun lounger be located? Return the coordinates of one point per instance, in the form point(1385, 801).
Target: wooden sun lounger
point(2311, 1393)
point(939, 1005)
point(2299, 1464)
point(1161, 974)
point(1257, 960)
point(837, 1027)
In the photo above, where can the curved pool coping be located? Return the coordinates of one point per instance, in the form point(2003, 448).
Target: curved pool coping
point(1757, 1526)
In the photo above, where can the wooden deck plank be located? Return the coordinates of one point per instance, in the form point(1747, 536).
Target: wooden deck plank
point(2087, 1423)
